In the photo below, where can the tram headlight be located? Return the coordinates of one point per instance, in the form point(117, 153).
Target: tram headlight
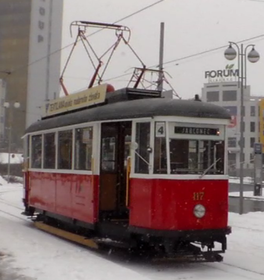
point(199, 211)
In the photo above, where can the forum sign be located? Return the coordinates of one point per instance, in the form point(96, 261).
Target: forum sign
point(229, 74)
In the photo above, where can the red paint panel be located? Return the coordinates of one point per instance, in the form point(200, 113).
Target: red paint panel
point(26, 187)
point(42, 190)
point(71, 195)
point(169, 204)
point(84, 202)
point(64, 194)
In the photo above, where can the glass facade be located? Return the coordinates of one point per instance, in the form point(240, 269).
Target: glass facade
point(14, 49)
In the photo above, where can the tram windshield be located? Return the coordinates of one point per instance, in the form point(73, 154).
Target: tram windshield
point(192, 149)
point(189, 156)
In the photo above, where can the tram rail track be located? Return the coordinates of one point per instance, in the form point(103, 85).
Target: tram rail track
point(12, 215)
point(220, 266)
point(11, 204)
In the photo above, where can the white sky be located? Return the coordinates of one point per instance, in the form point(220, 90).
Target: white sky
point(191, 26)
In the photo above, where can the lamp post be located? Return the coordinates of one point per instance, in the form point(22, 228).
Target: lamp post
point(253, 56)
point(10, 106)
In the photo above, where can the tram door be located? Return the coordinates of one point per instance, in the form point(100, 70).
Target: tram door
point(115, 148)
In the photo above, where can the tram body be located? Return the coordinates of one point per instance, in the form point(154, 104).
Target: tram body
point(138, 168)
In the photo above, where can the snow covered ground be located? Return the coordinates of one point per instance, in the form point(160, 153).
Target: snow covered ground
point(247, 194)
point(236, 180)
point(28, 253)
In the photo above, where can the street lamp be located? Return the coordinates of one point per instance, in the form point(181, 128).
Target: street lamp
point(9, 106)
point(253, 56)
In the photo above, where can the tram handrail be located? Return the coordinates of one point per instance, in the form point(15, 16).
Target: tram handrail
point(142, 158)
point(209, 168)
point(128, 170)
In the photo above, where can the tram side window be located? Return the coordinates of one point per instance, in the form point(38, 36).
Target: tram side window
point(49, 150)
point(65, 149)
point(83, 148)
point(36, 151)
point(142, 155)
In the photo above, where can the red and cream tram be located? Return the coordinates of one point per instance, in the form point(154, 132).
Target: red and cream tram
point(133, 167)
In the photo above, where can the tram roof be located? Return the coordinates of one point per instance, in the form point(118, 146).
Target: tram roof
point(140, 108)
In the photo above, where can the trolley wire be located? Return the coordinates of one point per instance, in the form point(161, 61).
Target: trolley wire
point(92, 34)
point(197, 54)
point(261, 36)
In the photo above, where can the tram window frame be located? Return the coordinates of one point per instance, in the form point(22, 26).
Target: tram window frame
point(26, 149)
point(49, 151)
point(142, 151)
point(64, 155)
point(36, 151)
point(83, 147)
point(160, 149)
point(108, 151)
point(197, 156)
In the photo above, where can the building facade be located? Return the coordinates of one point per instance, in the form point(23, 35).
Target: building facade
point(2, 112)
point(30, 37)
point(228, 95)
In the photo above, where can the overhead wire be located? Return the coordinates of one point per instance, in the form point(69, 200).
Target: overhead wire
point(155, 65)
point(97, 31)
point(209, 51)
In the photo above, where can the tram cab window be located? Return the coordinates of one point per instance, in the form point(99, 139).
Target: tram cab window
point(36, 151)
point(83, 148)
point(196, 156)
point(49, 151)
point(142, 155)
point(65, 149)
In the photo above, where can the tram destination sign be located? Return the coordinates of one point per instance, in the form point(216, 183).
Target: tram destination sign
point(86, 98)
point(195, 130)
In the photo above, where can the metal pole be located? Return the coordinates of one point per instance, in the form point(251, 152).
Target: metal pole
point(9, 151)
point(242, 112)
point(160, 83)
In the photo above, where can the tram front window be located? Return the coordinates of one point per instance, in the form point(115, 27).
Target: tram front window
point(196, 156)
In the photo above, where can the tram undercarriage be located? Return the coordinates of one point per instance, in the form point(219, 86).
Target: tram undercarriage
point(186, 247)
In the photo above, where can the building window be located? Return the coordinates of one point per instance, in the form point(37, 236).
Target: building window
point(232, 142)
point(252, 111)
point(252, 141)
point(229, 95)
point(230, 85)
point(65, 149)
point(212, 96)
point(213, 86)
point(252, 127)
point(231, 160)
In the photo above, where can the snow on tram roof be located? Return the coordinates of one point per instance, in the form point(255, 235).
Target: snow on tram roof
point(131, 109)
